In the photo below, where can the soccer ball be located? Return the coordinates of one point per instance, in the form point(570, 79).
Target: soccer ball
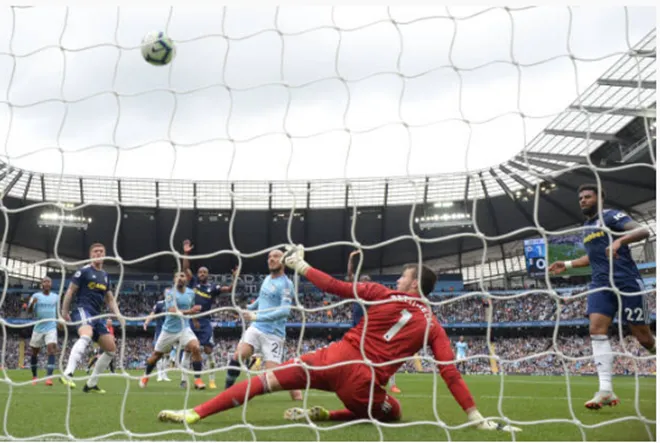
point(157, 48)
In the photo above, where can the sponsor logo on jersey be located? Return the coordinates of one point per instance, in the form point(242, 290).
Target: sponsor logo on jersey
point(201, 293)
point(593, 236)
point(96, 286)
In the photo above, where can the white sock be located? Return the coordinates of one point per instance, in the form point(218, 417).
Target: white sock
point(159, 368)
point(77, 353)
point(185, 364)
point(393, 380)
point(604, 360)
point(100, 367)
point(165, 364)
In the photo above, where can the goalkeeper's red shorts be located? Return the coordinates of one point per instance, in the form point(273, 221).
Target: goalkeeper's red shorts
point(351, 382)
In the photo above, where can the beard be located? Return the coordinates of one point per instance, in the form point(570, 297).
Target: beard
point(590, 211)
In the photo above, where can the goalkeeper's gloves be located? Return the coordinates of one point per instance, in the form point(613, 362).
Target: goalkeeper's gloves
point(294, 258)
point(488, 425)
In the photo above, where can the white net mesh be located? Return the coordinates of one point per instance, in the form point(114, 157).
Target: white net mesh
point(406, 105)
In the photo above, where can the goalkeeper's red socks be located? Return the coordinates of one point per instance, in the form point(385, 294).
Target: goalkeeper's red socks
point(232, 397)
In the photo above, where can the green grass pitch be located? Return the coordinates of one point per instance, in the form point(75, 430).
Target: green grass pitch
point(41, 409)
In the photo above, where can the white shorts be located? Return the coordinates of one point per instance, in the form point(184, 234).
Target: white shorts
point(41, 339)
point(270, 346)
point(168, 339)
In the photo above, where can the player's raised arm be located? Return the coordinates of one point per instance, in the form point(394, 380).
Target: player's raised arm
point(560, 266)
point(294, 258)
point(185, 262)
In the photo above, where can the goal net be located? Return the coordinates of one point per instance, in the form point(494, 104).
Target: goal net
point(446, 136)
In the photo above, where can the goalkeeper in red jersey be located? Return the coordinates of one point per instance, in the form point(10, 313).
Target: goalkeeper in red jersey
point(397, 329)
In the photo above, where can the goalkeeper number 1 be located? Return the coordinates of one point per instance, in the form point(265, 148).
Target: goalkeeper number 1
point(396, 330)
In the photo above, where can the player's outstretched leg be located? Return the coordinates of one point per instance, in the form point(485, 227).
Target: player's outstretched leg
point(236, 395)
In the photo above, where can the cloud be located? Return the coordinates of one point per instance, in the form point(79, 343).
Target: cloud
point(376, 98)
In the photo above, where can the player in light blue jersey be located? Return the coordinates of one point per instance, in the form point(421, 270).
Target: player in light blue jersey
point(461, 352)
point(176, 329)
point(89, 290)
point(163, 363)
point(268, 314)
point(44, 304)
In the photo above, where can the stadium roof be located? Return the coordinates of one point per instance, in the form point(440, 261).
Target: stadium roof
point(599, 116)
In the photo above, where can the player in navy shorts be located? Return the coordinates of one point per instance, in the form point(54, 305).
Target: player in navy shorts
point(358, 311)
point(603, 304)
point(205, 294)
point(90, 286)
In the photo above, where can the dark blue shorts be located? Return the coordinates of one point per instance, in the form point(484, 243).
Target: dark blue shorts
point(204, 333)
point(84, 316)
point(635, 307)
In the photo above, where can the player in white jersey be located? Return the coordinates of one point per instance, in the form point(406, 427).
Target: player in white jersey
point(461, 353)
point(44, 304)
point(266, 334)
point(176, 329)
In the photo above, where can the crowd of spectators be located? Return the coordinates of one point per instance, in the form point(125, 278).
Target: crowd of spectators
point(331, 309)
point(529, 355)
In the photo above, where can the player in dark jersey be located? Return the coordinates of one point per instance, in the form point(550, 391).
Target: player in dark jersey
point(358, 310)
point(398, 327)
point(163, 363)
point(205, 293)
point(603, 304)
point(90, 286)
point(98, 351)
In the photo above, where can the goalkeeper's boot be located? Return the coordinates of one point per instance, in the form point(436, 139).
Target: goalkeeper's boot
point(34, 381)
point(143, 382)
point(66, 381)
point(188, 416)
point(93, 390)
point(317, 413)
point(199, 384)
point(395, 390)
point(601, 399)
point(212, 384)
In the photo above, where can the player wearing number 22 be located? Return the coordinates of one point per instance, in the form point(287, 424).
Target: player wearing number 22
point(397, 328)
point(603, 304)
